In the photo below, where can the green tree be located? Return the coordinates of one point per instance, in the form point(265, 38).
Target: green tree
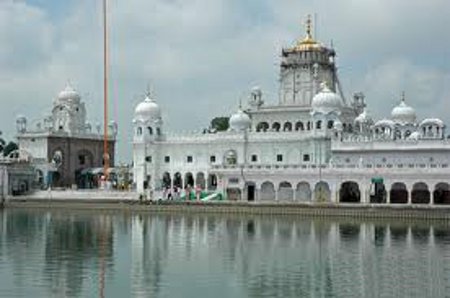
point(220, 123)
point(9, 148)
point(2, 143)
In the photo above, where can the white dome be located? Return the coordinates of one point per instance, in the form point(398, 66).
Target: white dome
point(326, 101)
point(147, 110)
point(364, 117)
point(403, 113)
point(68, 94)
point(240, 121)
point(432, 121)
point(256, 90)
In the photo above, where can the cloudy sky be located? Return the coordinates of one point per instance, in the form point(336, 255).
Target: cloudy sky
point(202, 56)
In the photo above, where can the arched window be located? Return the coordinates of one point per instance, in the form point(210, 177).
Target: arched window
point(287, 126)
point(299, 126)
point(150, 130)
point(230, 157)
point(319, 124)
point(330, 124)
point(158, 131)
point(139, 131)
point(308, 125)
point(276, 126)
point(407, 133)
point(262, 126)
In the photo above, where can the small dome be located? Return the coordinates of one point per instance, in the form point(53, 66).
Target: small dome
point(147, 110)
point(326, 101)
point(364, 118)
point(21, 118)
point(240, 121)
point(68, 94)
point(256, 90)
point(432, 121)
point(403, 113)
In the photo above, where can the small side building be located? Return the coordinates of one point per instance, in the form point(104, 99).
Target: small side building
point(17, 175)
point(64, 144)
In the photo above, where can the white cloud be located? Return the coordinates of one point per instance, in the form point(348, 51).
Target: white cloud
point(203, 55)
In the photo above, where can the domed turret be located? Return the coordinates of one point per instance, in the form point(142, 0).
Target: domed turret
point(326, 101)
point(240, 121)
point(364, 118)
point(256, 97)
point(147, 110)
point(68, 94)
point(403, 113)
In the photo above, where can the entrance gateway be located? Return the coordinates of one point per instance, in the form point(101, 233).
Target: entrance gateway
point(250, 192)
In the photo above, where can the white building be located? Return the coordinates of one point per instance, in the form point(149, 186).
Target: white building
point(314, 145)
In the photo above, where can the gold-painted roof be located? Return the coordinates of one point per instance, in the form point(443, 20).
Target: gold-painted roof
point(308, 43)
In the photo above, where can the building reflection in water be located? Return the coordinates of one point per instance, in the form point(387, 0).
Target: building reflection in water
point(63, 251)
point(178, 255)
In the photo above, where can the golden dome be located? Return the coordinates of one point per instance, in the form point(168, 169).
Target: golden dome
point(308, 43)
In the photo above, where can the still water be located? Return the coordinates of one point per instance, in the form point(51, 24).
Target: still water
point(95, 254)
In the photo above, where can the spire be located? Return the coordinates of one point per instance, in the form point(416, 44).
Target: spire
point(308, 27)
point(148, 90)
point(403, 96)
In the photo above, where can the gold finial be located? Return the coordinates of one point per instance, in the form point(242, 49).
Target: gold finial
point(308, 27)
point(403, 96)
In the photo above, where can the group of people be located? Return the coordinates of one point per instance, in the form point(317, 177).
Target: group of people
point(175, 193)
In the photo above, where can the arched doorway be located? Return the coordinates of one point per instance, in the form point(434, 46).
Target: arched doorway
point(166, 180)
point(55, 179)
point(303, 192)
point(188, 180)
point(285, 191)
point(378, 192)
point(200, 180)
point(212, 182)
point(322, 192)
point(349, 192)
point(399, 193)
point(441, 193)
point(250, 188)
point(420, 193)
point(39, 178)
point(178, 180)
point(233, 194)
point(267, 192)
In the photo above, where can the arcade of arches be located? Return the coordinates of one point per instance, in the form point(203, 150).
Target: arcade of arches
point(321, 191)
point(189, 179)
point(346, 192)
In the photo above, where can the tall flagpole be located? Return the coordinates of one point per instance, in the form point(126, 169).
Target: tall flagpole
point(106, 156)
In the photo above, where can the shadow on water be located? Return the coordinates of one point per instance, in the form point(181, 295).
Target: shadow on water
point(171, 255)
